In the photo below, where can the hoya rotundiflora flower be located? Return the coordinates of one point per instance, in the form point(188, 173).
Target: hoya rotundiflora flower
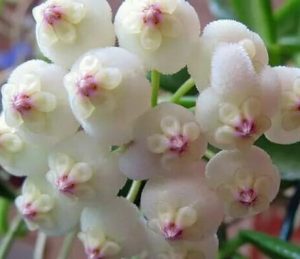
point(107, 91)
point(245, 181)
point(237, 109)
point(214, 35)
point(19, 157)
point(205, 249)
point(113, 230)
point(82, 171)
point(183, 208)
point(167, 140)
point(36, 104)
point(43, 210)
point(66, 29)
point(286, 123)
point(161, 32)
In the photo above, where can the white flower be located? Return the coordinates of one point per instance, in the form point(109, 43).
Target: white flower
point(214, 35)
point(43, 210)
point(167, 139)
point(19, 157)
point(108, 90)
point(204, 249)
point(66, 29)
point(182, 208)
point(286, 123)
point(161, 32)
point(245, 181)
point(113, 230)
point(35, 103)
point(82, 171)
point(237, 109)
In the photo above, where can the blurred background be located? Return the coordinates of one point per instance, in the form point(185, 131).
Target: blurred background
point(17, 44)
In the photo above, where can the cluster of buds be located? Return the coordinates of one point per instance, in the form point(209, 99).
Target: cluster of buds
point(62, 122)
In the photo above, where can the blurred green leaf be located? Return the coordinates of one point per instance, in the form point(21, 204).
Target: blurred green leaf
point(271, 246)
point(2, 3)
point(221, 9)
point(5, 191)
point(286, 157)
point(243, 12)
point(287, 18)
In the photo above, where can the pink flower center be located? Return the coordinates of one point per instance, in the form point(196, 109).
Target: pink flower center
point(65, 185)
point(29, 212)
point(94, 253)
point(22, 103)
point(245, 129)
point(172, 232)
point(178, 144)
point(87, 86)
point(152, 15)
point(247, 197)
point(52, 14)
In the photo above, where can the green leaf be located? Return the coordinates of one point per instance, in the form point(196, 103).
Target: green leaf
point(287, 17)
point(5, 191)
point(221, 9)
point(271, 246)
point(243, 12)
point(286, 157)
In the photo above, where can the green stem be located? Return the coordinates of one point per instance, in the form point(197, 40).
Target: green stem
point(230, 248)
point(209, 154)
point(9, 237)
point(155, 82)
point(188, 101)
point(182, 90)
point(67, 246)
point(4, 211)
point(134, 190)
point(40, 246)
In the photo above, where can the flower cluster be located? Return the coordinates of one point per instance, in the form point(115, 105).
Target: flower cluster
point(77, 127)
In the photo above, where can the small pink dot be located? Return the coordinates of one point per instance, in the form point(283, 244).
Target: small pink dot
point(29, 212)
point(178, 144)
point(172, 232)
point(152, 15)
point(65, 185)
point(94, 253)
point(22, 103)
point(247, 197)
point(87, 86)
point(52, 14)
point(245, 129)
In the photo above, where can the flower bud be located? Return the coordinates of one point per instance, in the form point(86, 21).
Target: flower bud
point(214, 35)
point(66, 29)
point(160, 32)
point(245, 181)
